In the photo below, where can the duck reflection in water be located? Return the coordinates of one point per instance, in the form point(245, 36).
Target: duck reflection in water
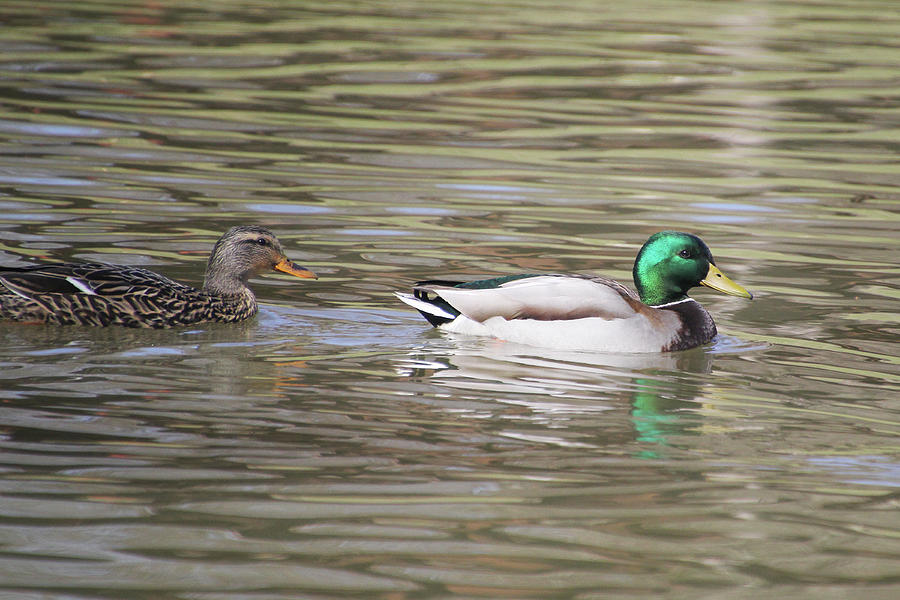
point(557, 396)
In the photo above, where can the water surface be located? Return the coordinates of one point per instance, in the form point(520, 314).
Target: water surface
point(335, 446)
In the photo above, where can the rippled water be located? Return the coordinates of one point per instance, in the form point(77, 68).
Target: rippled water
point(336, 446)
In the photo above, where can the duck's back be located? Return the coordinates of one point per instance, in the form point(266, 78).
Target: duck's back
point(102, 294)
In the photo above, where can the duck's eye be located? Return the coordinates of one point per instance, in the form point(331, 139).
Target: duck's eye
point(685, 253)
point(262, 241)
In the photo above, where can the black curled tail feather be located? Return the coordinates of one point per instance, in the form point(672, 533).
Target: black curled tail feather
point(421, 292)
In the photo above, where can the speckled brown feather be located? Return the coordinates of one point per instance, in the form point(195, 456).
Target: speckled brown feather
point(101, 294)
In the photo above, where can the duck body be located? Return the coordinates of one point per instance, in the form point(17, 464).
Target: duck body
point(104, 294)
point(576, 312)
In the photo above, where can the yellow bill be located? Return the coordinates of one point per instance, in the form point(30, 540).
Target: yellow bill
point(286, 266)
point(717, 280)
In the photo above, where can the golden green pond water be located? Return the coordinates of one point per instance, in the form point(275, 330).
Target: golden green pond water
point(336, 446)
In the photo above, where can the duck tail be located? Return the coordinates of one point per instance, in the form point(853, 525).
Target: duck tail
point(435, 309)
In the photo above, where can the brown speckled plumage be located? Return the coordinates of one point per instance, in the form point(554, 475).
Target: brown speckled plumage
point(102, 294)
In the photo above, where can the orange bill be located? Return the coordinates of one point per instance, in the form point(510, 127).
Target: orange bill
point(286, 266)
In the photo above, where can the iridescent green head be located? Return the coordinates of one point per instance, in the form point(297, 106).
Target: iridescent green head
point(672, 262)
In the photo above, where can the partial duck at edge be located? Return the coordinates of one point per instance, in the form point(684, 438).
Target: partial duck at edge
point(103, 294)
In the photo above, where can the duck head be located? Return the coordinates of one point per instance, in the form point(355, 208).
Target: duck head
point(672, 262)
point(243, 252)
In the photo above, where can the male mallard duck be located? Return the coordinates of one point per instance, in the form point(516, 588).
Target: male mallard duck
point(576, 312)
point(101, 294)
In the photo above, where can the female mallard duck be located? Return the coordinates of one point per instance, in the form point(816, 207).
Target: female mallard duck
point(101, 294)
point(575, 312)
